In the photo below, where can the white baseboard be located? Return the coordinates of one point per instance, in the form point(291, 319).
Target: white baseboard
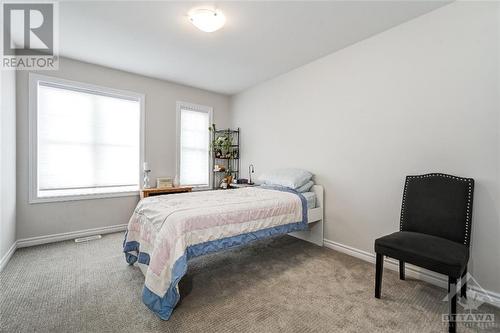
point(32, 241)
point(490, 297)
point(25, 242)
point(5, 259)
point(433, 278)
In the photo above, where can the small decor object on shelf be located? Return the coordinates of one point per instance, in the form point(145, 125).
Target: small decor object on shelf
point(164, 182)
point(147, 170)
point(226, 182)
point(177, 183)
point(219, 168)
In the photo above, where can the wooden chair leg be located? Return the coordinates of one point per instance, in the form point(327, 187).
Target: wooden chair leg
point(452, 300)
point(463, 290)
point(401, 270)
point(379, 268)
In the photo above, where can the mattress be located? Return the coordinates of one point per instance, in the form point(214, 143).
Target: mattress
point(310, 198)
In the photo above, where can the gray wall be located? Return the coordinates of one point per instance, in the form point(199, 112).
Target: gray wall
point(51, 218)
point(7, 161)
point(420, 97)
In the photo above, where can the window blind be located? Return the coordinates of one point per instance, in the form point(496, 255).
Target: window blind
point(194, 147)
point(87, 142)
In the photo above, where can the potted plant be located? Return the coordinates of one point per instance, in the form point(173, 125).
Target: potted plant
point(222, 145)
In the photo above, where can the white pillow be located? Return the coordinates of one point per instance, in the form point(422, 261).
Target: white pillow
point(292, 178)
point(306, 187)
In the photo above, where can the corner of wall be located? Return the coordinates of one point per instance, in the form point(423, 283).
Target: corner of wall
point(7, 166)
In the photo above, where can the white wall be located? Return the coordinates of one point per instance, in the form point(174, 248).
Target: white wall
point(51, 218)
point(421, 97)
point(7, 162)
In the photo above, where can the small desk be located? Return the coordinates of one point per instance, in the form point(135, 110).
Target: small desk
point(149, 192)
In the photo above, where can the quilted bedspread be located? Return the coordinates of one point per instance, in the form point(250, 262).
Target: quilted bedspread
point(165, 231)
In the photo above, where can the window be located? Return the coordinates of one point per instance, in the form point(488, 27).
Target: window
point(193, 158)
point(86, 141)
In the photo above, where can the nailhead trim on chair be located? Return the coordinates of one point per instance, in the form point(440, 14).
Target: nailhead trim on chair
point(403, 205)
point(468, 215)
point(442, 175)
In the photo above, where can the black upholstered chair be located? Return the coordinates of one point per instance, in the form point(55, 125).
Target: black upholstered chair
point(435, 229)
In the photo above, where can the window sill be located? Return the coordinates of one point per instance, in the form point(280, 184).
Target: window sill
point(90, 196)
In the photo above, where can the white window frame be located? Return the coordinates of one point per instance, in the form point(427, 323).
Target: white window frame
point(197, 107)
point(34, 79)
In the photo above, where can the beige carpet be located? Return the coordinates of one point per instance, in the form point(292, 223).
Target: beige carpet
point(278, 285)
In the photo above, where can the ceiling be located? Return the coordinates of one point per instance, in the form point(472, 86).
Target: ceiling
point(260, 40)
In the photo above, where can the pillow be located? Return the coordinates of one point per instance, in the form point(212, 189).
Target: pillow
point(292, 178)
point(306, 187)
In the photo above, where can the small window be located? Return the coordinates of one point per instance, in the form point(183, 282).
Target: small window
point(193, 122)
point(86, 141)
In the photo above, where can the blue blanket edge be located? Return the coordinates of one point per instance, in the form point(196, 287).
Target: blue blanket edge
point(164, 306)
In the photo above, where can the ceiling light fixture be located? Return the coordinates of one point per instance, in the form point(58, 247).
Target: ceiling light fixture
point(207, 20)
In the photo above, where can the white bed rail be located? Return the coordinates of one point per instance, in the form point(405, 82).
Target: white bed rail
point(315, 219)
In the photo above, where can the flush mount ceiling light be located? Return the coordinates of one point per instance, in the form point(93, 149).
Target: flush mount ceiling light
point(207, 20)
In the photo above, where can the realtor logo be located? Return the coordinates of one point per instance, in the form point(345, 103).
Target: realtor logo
point(472, 316)
point(29, 36)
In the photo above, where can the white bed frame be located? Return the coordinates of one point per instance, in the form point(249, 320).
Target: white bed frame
point(315, 220)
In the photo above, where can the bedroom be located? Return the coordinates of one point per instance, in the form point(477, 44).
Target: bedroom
point(352, 95)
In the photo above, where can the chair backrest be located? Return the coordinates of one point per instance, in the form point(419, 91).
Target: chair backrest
point(438, 204)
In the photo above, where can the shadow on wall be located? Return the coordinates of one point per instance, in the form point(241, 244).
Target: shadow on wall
point(485, 209)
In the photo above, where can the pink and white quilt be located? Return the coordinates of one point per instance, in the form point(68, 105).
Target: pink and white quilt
point(165, 231)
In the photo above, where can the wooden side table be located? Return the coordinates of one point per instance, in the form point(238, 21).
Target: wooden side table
point(149, 192)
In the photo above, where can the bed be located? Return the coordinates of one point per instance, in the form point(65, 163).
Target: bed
point(164, 232)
